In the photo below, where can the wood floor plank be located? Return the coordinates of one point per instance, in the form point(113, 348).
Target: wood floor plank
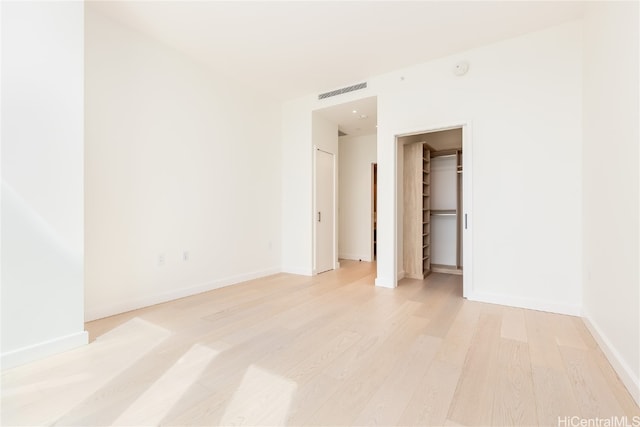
point(449, 423)
point(113, 400)
point(239, 367)
point(305, 317)
point(323, 355)
point(61, 385)
point(309, 397)
point(513, 325)
point(374, 339)
point(514, 400)
point(152, 405)
point(329, 350)
point(456, 344)
point(543, 348)
point(553, 395)
point(346, 403)
point(231, 364)
point(566, 332)
point(442, 317)
point(386, 407)
point(593, 395)
point(472, 402)
point(430, 402)
point(436, 294)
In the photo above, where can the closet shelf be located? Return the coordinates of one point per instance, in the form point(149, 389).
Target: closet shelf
point(443, 212)
point(416, 217)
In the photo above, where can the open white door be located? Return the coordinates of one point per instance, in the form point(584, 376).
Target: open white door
point(324, 212)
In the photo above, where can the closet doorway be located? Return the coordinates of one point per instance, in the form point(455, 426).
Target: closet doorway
point(435, 222)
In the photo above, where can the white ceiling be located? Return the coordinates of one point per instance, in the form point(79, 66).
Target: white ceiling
point(355, 118)
point(294, 48)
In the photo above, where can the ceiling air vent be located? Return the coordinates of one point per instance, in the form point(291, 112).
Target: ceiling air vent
point(358, 86)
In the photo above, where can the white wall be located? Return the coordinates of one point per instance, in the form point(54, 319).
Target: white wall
point(611, 186)
point(522, 98)
point(324, 133)
point(42, 179)
point(177, 159)
point(297, 178)
point(297, 189)
point(357, 153)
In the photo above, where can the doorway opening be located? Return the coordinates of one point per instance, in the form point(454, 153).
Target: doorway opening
point(446, 207)
point(349, 130)
point(434, 203)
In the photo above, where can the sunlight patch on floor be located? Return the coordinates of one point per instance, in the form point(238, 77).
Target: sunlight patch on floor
point(41, 386)
point(51, 390)
point(157, 401)
point(263, 398)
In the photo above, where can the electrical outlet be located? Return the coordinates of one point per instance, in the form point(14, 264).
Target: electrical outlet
point(185, 256)
point(161, 259)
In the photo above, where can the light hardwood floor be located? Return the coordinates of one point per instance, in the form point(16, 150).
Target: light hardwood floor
point(327, 350)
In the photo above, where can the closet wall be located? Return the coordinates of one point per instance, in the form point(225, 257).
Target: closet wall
point(444, 201)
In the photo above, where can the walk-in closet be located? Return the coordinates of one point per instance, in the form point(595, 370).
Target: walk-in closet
point(432, 203)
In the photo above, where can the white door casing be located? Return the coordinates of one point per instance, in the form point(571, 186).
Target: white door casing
point(467, 202)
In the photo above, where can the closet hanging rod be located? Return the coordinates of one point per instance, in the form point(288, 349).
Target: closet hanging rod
point(443, 214)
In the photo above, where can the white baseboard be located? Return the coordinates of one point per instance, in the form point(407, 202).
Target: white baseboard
point(532, 304)
point(623, 370)
point(401, 275)
point(296, 270)
point(44, 349)
point(355, 257)
point(100, 312)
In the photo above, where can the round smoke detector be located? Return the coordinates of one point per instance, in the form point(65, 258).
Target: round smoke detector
point(461, 68)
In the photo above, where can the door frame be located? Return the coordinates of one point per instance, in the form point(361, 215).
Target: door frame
point(467, 196)
point(374, 211)
point(334, 191)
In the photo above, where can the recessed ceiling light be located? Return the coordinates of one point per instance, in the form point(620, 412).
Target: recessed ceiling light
point(354, 111)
